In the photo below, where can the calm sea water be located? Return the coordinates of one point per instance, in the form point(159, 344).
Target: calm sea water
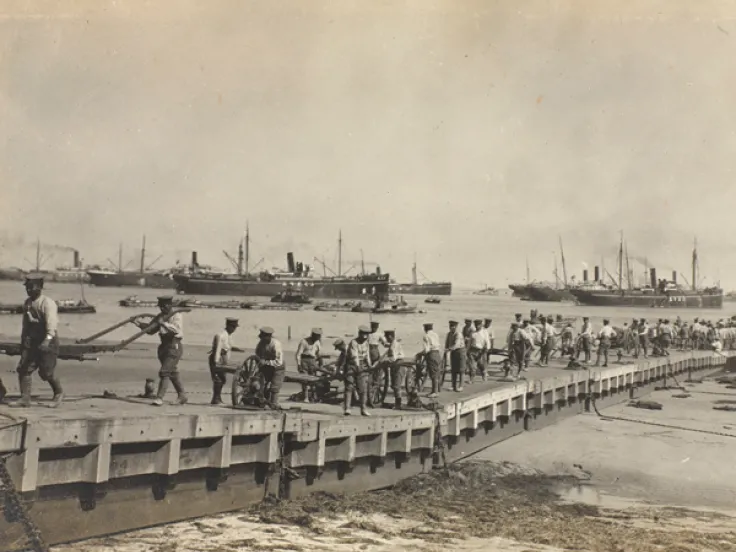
point(201, 324)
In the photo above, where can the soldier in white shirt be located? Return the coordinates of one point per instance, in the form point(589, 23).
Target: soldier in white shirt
point(219, 355)
point(585, 340)
point(605, 336)
point(308, 358)
point(432, 357)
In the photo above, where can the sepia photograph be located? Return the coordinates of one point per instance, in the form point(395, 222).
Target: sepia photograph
point(376, 276)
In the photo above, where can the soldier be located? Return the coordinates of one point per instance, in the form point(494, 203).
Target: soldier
point(375, 340)
point(342, 351)
point(567, 340)
point(394, 355)
point(531, 335)
point(477, 350)
point(468, 330)
point(518, 342)
point(666, 333)
point(219, 355)
point(39, 342)
point(357, 365)
point(586, 340)
point(604, 345)
point(170, 350)
point(488, 324)
point(308, 357)
point(431, 352)
point(271, 364)
point(548, 341)
point(455, 355)
point(643, 338)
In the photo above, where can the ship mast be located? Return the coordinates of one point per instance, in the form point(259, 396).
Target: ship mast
point(339, 253)
point(564, 268)
point(414, 271)
point(695, 264)
point(247, 247)
point(120, 258)
point(557, 278)
point(362, 263)
point(240, 258)
point(628, 269)
point(527, 270)
point(38, 254)
point(143, 255)
point(621, 262)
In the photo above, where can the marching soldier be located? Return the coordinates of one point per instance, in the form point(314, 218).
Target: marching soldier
point(308, 357)
point(219, 355)
point(604, 344)
point(431, 352)
point(394, 355)
point(455, 350)
point(357, 365)
point(271, 364)
point(39, 342)
point(171, 333)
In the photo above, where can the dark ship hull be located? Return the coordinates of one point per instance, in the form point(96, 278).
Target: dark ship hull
point(323, 288)
point(548, 294)
point(429, 288)
point(520, 290)
point(674, 299)
point(130, 279)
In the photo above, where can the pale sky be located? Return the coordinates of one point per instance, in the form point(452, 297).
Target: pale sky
point(470, 132)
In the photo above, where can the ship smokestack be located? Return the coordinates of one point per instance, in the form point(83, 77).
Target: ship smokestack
point(194, 259)
point(77, 263)
point(378, 270)
point(674, 276)
point(290, 261)
point(585, 275)
point(653, 277)
point(597, 272)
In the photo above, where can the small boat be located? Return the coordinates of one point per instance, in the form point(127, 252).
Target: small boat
point(133, 301)
point(65, 306)
point(434, 300)
point(275, 306)
point(486, 291)
point(291, 297)
point(348, 306)
point(397, 309)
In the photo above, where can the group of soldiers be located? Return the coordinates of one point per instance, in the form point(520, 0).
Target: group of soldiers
point(466, 350)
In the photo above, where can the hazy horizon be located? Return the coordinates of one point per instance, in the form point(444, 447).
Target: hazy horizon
point(471, 134)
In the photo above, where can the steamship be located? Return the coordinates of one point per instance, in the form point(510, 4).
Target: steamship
point(659, 293)
point(143, 277)
point(298, 277)
point(420, 288)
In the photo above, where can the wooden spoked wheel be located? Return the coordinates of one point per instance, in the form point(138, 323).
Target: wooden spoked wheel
point(244, 379)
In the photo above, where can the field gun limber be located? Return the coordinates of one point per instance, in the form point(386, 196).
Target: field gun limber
point(84, 348)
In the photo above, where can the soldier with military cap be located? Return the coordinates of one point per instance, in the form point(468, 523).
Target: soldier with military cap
point(170, 350)
point(308, 358)
point(432, 357)
point(477, 351)
point(357, 366)
point(39, 342)
point(271, 364)
point(455, 355)
point(397, 372)
point(219, 355)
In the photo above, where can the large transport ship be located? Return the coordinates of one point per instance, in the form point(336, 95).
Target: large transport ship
point(420, 288)
point(298, 277)
point(658, 294)
point(143, 277)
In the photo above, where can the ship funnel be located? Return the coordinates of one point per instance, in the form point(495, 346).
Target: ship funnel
point(194, 259)
point(653, 277)
point(290, 262)
point(378, 270)
point(585, 275)
point(674, 276)
point(597, 273)
point(77, 263)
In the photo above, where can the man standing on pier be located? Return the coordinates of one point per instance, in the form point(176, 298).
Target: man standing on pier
point(477, 347)
point(375, 340)
point(431, 352)
point(394, 356)
point(271, 364)
point(548, 341)
point(455, 355)
point(220, 355)
point(171, 334)
point(308, 357)
point(604, 345)
point(357, 367)
point(643, 338)
point(39, 342)
point(666, 333)
point(488, 325)
point(586, 340)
